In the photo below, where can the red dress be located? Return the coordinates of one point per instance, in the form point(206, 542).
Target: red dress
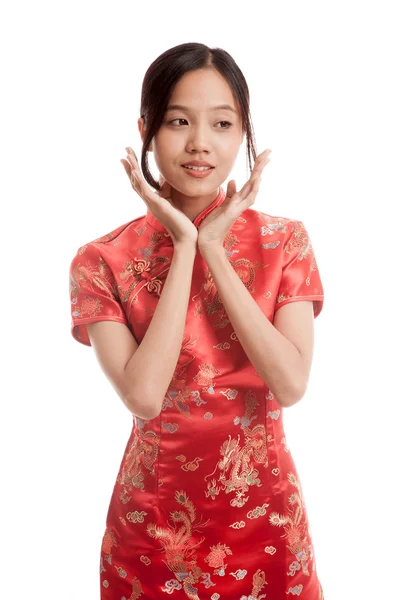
point(207, 503)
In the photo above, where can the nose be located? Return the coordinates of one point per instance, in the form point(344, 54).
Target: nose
point(198, 139)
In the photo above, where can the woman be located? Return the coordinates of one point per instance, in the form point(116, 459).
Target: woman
point(201, 316)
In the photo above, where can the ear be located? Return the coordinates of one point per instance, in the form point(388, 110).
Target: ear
point(142, 132)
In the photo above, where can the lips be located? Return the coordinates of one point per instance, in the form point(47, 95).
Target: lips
point(197, 163)
point(202, 167)
point(198, 173)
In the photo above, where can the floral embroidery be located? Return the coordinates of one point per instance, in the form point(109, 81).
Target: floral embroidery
point(217, 557)
point(109, 541)
point(94, 277)
point(205, 376)
point(140, 270)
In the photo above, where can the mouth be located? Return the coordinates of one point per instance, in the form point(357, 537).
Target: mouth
point(197, 172)
point(197, 168)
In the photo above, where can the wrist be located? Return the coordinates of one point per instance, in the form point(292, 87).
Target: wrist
point(185, 248)
point(211, 249)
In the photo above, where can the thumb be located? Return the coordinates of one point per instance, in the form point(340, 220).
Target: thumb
point(231, 189)
point(165, 190)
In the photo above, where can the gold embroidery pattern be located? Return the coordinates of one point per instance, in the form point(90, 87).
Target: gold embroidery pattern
point(180, 546)
point(239, 461)
point(295, 526)
point(259, 511)
point(258, 583)
point(140, 270)
point(212, 301)
point(239, 574)
point(237, 470)
point(109, 541)
point(192, 465)
point(142, 452)
point(137, 590)
point(136, 516)
point(216, 558)
point(179, 393)
point(95, 277)
point(205, 377)
point(238, 525)
point(300, 239)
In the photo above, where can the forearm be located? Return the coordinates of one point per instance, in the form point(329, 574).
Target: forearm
point(274, 357)
point(153, 364)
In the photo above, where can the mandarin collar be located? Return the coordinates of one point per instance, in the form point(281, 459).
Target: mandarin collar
point(151, 219)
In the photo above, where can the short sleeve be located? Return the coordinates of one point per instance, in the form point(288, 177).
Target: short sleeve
point(300, 278)
point(93, 293)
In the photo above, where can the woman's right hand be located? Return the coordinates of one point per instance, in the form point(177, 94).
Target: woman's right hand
point(179, 226)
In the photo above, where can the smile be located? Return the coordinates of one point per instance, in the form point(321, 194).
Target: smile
point(198, 172)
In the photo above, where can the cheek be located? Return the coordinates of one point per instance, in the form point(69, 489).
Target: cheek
point(228, 145)
point(165, 149)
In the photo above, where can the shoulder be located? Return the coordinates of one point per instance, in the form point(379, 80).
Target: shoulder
point(121, 232)
point(270, 225)
point(115, 243)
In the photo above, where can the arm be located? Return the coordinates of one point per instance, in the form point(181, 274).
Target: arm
point(274, 356)
point(141, 374)
point(150, 370)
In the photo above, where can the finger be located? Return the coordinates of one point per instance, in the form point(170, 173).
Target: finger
point(135, 176)
point(135, 169)
point(254, 191)
point(131, 152)
point(231, 188)
point(256, 172)
point(132, 161)
point(260, 163)
point(247, 192)
point(165, 191)
point(126, 166)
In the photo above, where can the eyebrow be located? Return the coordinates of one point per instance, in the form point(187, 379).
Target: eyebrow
point(186, 109)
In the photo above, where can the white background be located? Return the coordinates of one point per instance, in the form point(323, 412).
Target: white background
point(323, 78)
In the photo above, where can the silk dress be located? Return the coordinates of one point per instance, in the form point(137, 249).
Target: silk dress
point(207, 502)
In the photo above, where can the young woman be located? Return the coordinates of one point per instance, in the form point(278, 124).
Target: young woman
point(201, 316)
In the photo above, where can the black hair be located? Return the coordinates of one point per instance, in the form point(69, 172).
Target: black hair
point(165, 72)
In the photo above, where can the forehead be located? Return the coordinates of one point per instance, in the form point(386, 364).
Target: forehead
point(203, 90)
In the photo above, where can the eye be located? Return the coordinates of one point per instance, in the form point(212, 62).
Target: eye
point(229, 124)
point(169, 123)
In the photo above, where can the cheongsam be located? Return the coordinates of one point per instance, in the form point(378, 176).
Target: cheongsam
point(207, 502)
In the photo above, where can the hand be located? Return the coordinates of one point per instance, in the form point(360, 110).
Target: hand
point(179, 226)
point(215, 227)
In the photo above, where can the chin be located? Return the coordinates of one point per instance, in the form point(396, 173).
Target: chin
point(192, 188)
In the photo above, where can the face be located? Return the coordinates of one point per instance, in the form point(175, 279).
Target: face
point(200, 132)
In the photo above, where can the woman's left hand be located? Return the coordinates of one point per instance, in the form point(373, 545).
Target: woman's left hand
point(214, 228)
